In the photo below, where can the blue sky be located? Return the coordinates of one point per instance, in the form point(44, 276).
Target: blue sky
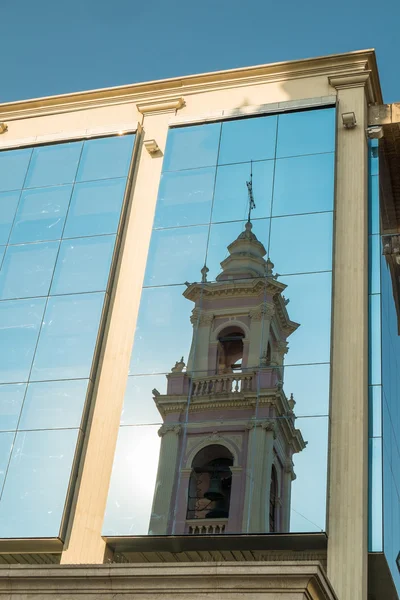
point(52, 47)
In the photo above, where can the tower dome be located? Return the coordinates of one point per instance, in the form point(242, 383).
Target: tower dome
point(246, 257)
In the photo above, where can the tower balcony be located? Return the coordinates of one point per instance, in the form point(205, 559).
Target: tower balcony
point(231, 383)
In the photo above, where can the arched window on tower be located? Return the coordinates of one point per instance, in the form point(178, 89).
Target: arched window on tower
point(210, 484)
point(230, 350)
point(272, 501)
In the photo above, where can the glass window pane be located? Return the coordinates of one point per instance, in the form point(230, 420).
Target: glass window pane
point(309, 385)
point(375, 251)
point(192, 147)
point(310, 306)
point(83, 265)
point(248, 139)
point(375, 495)
point(163, 331)
point(302, 244)
point(130, 499)
point(139, 407)
point(6, 444)
point(36, 486)
point(375, 371)
point(185, 198)
point(231, 200)
point(13, 166)
point(8, 206)
point(53, 165)
point(68, 337)
point(303, 184)
point(54, 404)
point(27, 270)
point(374, 219)
point(307, 132)
point(95, 208)
point(176, 255)
point(11, 398)
point(41, 215)
point(375, 410)
point(20, 322)
point(308, 511)
point(223, 234)
point(105, 158)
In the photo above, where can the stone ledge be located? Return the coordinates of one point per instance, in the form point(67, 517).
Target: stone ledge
point(292, 580)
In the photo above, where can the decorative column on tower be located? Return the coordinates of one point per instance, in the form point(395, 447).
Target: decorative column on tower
point(226, 472)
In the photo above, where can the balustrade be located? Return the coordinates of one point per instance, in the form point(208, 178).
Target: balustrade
point(206, 527)
point(233, 383)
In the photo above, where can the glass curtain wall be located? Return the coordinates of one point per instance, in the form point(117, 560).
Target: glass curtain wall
point(225, 423)
point(384, 388)
point(60, 208)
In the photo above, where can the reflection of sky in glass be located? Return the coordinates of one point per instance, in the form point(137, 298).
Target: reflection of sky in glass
point(302, 244)
point(230, 196)
point(27, 270)
point(176, 255)
point(139, 406)
point(54, 404)
point(163, 332)
point(68, 337)
point(192, 147)
point(8, 206)
point(296, 192)
point(13, 166)
point(309, 488)
point(11, 398)
point(83, 265)
point(247, 139)
point(53, 165)
point(20, 322)
point(306, 132)
point(34, 494)
point(41, 214)
point(309, 385)
point(48, 331)
point(130, 498)
point(310, 305)
point(185, 198)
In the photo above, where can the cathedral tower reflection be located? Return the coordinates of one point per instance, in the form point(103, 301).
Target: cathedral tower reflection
point(228, 433)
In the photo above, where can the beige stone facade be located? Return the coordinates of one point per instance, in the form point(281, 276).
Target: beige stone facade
point(350, 80)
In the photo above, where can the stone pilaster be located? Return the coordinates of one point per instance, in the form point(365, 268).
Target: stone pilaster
point(162, 502)
point(261, 317)
point(258, 475)
point(348, 468)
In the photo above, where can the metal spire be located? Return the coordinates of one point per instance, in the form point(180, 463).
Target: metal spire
point(249, 184)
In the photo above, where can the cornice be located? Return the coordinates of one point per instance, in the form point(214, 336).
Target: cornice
point(234, 288)
point(354, 80)
point(154, 92)
point(160, 106)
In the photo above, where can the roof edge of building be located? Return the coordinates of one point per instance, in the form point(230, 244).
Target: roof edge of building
point(350, 62)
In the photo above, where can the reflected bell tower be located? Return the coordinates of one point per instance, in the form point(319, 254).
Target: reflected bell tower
point(228, 433)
